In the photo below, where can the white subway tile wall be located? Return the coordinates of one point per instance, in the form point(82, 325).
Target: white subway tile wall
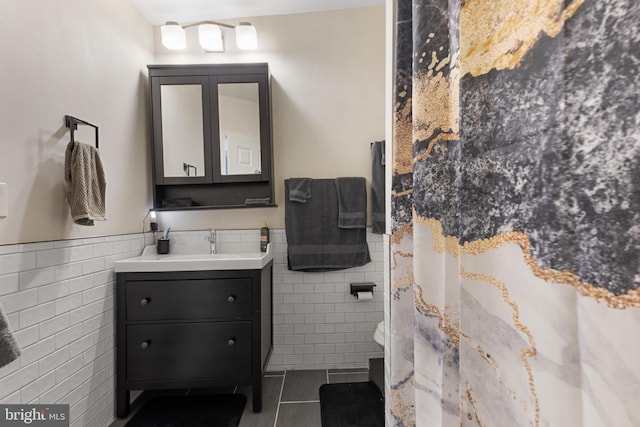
point(59, 300)
point(317, 323)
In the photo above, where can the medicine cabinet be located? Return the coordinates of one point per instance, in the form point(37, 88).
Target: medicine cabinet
point(211, 136)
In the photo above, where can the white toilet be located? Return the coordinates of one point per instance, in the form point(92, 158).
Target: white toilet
point(378, 335)
point(376, 365)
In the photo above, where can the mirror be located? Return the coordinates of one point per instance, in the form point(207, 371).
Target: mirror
point(182, 130)
point(239, 115)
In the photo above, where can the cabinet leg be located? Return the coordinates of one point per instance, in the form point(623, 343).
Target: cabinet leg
point(122, 403)
point(257, 395)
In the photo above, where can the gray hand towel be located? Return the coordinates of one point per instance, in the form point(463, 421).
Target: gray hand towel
point(377, 187)
point(86, 184)
point(299, 189)
point(9, 350)
point(352, 202)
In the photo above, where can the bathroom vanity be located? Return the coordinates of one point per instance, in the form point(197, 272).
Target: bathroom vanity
point(192, 322)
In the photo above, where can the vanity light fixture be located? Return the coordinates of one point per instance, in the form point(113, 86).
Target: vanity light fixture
point(173, 36)
point(246, 36)
point(209, 34)
point(210, 37)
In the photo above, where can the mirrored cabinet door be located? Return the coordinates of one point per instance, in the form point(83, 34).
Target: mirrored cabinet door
point(182, 130)
point(183, 126)
point(241, 122)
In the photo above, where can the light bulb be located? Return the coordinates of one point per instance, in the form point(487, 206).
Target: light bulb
point(173, 36)
point(210, 37)
point(246, 36)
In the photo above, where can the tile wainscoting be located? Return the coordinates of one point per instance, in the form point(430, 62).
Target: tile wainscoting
point(59, 299)
point(318, 324)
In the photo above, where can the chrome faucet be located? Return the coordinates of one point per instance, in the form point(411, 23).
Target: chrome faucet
point(211, 238)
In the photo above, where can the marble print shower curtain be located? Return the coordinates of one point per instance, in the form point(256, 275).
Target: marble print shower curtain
point(515, 247)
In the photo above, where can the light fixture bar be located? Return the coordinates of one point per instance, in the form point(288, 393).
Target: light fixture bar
point(195, 24)
point(210, 35)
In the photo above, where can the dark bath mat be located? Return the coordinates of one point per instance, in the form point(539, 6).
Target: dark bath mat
point(223, 410)
point(351, 405)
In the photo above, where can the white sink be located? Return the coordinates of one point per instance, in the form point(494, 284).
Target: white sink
point(151, 261)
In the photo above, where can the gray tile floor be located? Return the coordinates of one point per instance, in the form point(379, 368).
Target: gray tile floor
point(289, 398)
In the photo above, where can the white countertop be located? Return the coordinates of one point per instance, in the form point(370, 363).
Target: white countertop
point(151, 261)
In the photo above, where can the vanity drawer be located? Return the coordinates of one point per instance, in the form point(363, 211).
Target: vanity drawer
point(220, 299)
point(188, 350)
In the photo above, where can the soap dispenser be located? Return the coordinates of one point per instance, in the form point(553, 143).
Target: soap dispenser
point(264, 237)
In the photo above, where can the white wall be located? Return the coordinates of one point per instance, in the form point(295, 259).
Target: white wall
point(328, 100)
point(83, 58)
point(88, 59)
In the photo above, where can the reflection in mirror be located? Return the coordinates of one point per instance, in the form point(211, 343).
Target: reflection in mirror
point(182, 130)
point(239, 129)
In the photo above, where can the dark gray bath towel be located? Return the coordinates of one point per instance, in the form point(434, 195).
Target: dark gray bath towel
point(299, 189)
point(352, 202)
point(314, 240)
point(377, 187)
point(9, 350)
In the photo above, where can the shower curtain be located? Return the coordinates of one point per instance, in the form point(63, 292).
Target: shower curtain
point(515, 245)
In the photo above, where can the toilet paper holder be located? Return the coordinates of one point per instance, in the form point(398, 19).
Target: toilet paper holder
point(361, 287)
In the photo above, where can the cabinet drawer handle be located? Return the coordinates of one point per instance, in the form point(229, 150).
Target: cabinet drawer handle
point(231, 298)
point(231, 342)
point(145, 344)
point(145, 301)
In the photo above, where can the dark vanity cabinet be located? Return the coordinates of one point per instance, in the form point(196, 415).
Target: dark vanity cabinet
point(211, 136)
point(192, 329)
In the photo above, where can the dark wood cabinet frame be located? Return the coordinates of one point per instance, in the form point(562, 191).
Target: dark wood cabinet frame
point(213, 190)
